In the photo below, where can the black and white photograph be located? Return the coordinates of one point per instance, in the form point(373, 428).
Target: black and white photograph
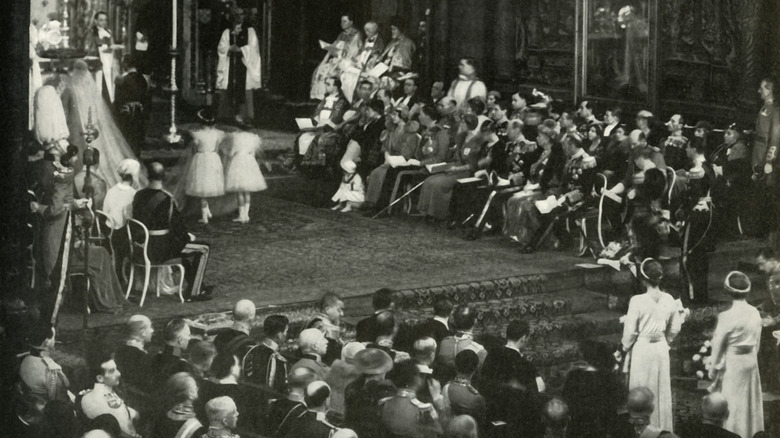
point(390, 219)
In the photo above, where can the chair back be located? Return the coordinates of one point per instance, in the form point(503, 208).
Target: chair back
point(671, 181)
point(102, 225)
point(138, 237)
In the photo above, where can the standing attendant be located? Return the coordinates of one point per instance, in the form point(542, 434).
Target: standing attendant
point(243, 174)
point(765, 163)
point(238, 70)
point(205, 177)
point(652, 322)
point(467, 85)
point(132, 103)
point(99, 43)
point(735, 361)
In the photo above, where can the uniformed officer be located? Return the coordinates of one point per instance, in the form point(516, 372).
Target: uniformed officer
point(361, 397)
point(405, 415)
point(39, 373)
point(312, 424)
point(463, 319)
point(102, 399)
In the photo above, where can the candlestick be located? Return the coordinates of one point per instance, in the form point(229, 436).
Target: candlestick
point(65, 25)
point(175, 19)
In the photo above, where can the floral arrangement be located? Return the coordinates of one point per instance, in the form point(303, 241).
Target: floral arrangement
point(50, 35)
point(701, 362)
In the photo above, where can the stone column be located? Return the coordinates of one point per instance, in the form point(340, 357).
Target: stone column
point(750, 25)
point(503, 40)
point(440, 40)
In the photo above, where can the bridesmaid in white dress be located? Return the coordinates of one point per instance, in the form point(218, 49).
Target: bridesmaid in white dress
point(205, 177)
point(652, 322)
point(243, 175)
point(735, 361)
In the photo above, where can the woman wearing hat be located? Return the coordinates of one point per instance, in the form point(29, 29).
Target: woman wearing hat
point(361, 397)
point(652, 322)
point(205, 176)
point(734, 359)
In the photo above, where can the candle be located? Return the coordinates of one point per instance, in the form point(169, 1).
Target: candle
point(175, 19)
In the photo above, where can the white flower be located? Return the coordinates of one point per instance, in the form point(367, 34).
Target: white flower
point(703, 350)
point(707, 344)
point(696, 358)
point(700, 374)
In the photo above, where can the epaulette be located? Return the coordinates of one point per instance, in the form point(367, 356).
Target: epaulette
point(384, 400)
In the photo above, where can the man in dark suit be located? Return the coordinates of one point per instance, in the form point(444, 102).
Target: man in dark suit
point(367, 329)
point(312, 424)
point(168, 237)
point(437, 327)
point(714, 411)
point(511, 384)
point(283, 411)
point(170, 360)
point(226, 370)
point(132, 103)
point(236, 340)
point(410, 96)
point(370, 152)
point(132, 359)
point(263, 364)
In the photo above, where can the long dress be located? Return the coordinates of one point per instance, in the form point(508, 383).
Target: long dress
point(205, 176)
point(243, 173)
point(649, 328)
point(735, 356)
point(111, 143)
point(349, 43)
point(436, 191)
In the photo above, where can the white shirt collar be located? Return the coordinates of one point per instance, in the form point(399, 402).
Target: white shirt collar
point(424, 369)
point(512, 347)
point(271, 344)
point(442, 320)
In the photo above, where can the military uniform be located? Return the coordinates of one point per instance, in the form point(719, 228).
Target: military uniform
point(264, 365)
point(311, 424)
point(314, 363)
point(43, 377)
point(697, 237)
point(102, 399)
point(673, 148)
point(463, 399)
point(765, 163)
point(405, 416)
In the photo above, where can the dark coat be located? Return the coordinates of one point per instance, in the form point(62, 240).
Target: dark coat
point(136, 366)
point(280, 416)
point(157, 210)
point(434, 329)
point(167, 363)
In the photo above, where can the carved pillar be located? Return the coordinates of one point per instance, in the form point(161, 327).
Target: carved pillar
point(503, 40)
point(751, 52)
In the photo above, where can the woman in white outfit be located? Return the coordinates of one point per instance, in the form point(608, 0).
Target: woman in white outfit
point(205, 176)
point(652, 322)
point(243, 175)
point(735, 361)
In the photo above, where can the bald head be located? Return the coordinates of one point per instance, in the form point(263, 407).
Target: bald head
point(371, 29)
point(299, 379)
point(244, 311)
point(97, 433)
point(345, 433)
point(641, 401)
point(312, 341)
point(317, 395)
point(139, 327)
point(637, 138)
point(556, 414)
point(715, 408)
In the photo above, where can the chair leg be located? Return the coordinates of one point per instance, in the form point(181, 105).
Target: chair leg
point(130, 281)
point(147, 271)
point(181, 283)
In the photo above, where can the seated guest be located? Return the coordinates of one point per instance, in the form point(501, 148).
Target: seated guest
point(282, 411)
point(329, 113)
point(312, 423)
point(437, 93)
point(403, 415)
point(399, 143)
point(400, 50)
point(586, 114)
point(102, 399)
point(462, 426)
point(649, 216)
point(435, 139)
point(226, 370)
point(41, 377)
point(178, 417)
point(498, 114)
point(168, 237)
point(410, 96)
point(313, 346)
point(467, 85)
point(329, 322)
point(520, 103)
point(366, 329)
point(365, 147)
point(673, 147)
point(263, 364)
point(714, 411)
point(341, 374)
point(170, 360)
point(511, 383)
point(592, 391)
point(447, 108)
point(640, 406)
point(460, 397)
point(437, 327)
point(236, 339)
point(423, 355)
point(200, 355)
point(475, 106)
point(610, 122)
point(436, 191)
point(105, 423)
point(647, 124)
point(118, 205)
point(493, 96)
point(361, 398)
point(594, 143)
point(387, 330)
point(522, 153)
point(544, 178)
point(131, 357)
point(463, 319)
point(223, 417)
point(612, 162)
point(556, 419)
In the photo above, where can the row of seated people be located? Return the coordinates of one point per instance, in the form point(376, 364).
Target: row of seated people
point(438, 382)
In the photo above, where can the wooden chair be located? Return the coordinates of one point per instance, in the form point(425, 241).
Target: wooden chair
point(141, 248)
point(105, 233)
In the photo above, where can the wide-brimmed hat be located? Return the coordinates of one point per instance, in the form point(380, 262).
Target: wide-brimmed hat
point(373, 361)
point(349, 166)
point(737, 282)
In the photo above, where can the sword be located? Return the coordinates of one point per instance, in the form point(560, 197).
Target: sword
point(397, 200)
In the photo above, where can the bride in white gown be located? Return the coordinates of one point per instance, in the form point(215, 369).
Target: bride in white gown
point(111, 143)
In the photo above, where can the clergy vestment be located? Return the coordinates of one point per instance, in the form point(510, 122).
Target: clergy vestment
point(239, 73)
